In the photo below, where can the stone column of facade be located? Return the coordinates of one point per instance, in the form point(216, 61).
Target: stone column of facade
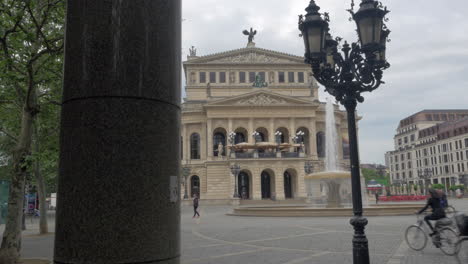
point(279, 183)
point(229, 130)
point(271, 136)
point(204, 147)
point(184, 145)
point(209, 137)
point(301, 188)
point(120, 134)
point(313, 139)
point(251, 130)
point(256, 185)
point(292, 130)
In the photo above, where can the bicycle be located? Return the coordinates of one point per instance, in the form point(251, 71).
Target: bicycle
point(444, 238)
point(450, 211)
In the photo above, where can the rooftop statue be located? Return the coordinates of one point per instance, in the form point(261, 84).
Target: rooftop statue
point(251, 34)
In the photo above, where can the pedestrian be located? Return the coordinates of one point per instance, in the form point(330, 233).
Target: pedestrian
point(376, 197)
point(195, 206)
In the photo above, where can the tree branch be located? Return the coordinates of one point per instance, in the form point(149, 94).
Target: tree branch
point(8, 134)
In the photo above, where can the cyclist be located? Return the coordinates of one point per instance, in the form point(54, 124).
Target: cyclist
point(438, 212)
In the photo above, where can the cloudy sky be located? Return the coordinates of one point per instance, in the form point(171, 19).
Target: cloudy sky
point(428, 52)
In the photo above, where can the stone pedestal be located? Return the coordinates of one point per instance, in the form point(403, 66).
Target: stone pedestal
point(118, 195)
point(278, 154)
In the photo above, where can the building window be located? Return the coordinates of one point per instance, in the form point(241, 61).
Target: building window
point(251, 77)
point(402, 157)
point(409, 164)
point(212, 77)
point(195, 146)
point(399, 141)
point(222, 77)
point(281, 77)
point(300, 77)
point(406, 140)
point(396, 158)
point(195, 186)
point(219, 138)
point(262, 76)
point(321, 144)
point(412, 138)
point(410, 174)
point(397, 167)
point(409, 155)
point(202, 77)
point(466, 142)
point(242, 77)
point(291, 77)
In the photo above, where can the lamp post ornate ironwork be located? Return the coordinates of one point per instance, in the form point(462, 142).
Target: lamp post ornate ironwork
point(346, 76)
point(426, 175)
point(235, 170)
point(185, 173)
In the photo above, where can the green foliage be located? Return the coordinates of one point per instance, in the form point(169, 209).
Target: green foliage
point(457, 187)
point(438, 186)
point(31, 62)
point(371, 174)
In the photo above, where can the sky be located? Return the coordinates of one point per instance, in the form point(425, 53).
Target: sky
point(428, 52)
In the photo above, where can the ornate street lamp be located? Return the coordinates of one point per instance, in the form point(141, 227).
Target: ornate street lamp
point(185, 173)
point(256, 136)
point(308, 167)
point(345, 76)
point(235, 170)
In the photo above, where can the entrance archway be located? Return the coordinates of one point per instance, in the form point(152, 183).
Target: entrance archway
point(243, 185)
point(195, 186)
point(266, 185)
point(288, 185)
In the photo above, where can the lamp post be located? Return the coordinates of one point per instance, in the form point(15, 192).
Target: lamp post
point(185, 173)
point(232, 141)
point(235, 169)
point(345, 76)
point(425, 174)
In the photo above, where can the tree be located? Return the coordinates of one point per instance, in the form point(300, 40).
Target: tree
point(31, 45)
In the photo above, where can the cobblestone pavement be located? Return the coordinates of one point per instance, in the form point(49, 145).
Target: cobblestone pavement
point(217, 238)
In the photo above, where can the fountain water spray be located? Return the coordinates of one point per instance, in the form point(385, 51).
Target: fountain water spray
point(331, 138)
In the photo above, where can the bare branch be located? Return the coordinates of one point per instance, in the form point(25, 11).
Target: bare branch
point(8, 134)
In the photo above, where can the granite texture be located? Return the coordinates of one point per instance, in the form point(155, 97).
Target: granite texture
point(120, 132)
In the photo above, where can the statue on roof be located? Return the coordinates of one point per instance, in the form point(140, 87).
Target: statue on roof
point(251, 34)
point(193, 51)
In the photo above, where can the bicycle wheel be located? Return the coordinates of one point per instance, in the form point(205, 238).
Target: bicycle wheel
point(416, 238)
point(463, 251)
point(448, 241)
point(450, 211)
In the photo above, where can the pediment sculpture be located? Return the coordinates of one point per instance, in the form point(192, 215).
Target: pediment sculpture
point(262, 99)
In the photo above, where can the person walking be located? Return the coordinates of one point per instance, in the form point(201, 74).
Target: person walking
point(195, 206)
point(376, 197)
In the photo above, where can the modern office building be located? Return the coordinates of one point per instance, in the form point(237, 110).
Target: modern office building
point(431, 147)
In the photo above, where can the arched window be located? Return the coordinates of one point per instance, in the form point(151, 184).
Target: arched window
point(240, 138)
point(195, 146)
point(217, 139)
point(195, 186)
point(321, 144)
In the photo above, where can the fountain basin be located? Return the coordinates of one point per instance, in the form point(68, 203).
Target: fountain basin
point(307, 211)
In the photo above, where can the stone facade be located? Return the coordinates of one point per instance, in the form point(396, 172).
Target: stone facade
point(243, 91)
point(433, 142)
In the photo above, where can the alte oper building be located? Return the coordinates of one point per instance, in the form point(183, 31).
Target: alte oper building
point(257, 109)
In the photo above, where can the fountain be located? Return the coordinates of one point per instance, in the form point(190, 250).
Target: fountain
point(334, 183)
point(328, 192)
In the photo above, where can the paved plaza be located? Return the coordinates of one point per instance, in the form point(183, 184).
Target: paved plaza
point(218, 238)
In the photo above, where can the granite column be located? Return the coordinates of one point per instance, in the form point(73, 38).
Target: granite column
point(118, 199)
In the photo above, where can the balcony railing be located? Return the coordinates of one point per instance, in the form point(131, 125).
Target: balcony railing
point(264, 155)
